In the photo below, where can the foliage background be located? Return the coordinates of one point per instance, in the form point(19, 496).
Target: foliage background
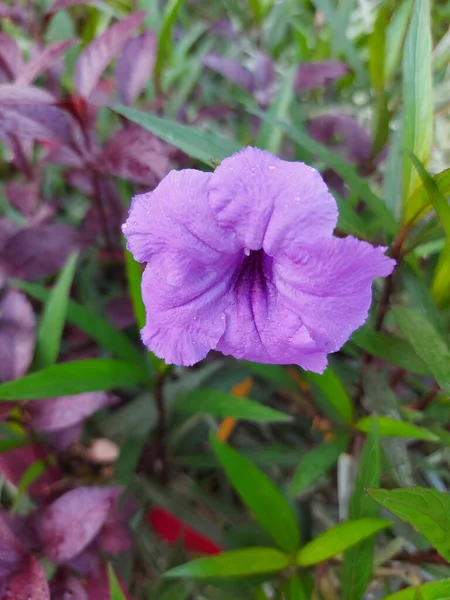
point(255, 463)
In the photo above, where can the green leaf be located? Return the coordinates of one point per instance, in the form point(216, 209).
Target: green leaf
point(358, 561)
point(134, 276)
point(396, 36)
point(115, 589)
point(98, 328)
point(130, 452)
point(336, 394)
point(260, 495)
point(67, 379)
point(221, 404)
point(202, 145)
point(427, 343)
point(390, 427)
point(420, 199)
point(275, 374)
point(34, 471)
point(337, 539)
point(315, 463)
point(435, 195)
point(377, 49)
point(418, 594)
point(295, 588)
point(51, 325)
point(249, 561)
point(427, 510)
point(435, 590)
point(391, 349)
point(441, 279)
point(177, 591)
point(165, 39)
point(417, 93)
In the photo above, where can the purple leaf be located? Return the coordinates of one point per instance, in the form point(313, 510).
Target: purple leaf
point(264, 78)
point(135, 154)
point(115, 539)
point(134, 67)
point(343, 134)
point(44, 60)
point(69, 524)
point(120, 312)
point(99, 53)
point(16, 13)
point(38, 251)
point(38, 122)
point(28, 583)
point(23, 528)
point(17, 335)
point(230, 69)
point(65, 156)
point(12, 553)
point(61, 440)
point(14, 463)
point(61, 4)
point(97, 586)
point(67, 587)
point(108, 221)
point(54, 414)
point(312, 75)
point(7, 230)
point(11, 93)
point(24, 195)
point(10, 56)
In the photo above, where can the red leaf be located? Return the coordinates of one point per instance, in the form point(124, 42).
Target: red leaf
point(11, 93)
point(69, 524)
point(99, 53)
point(54, 414)
point(311, 75)
point(134, 67)
point(29, 583)
point(17, 335)
point(10, 56)
point(40, 63)
point(171, 530)
point(135, 154)
point(38, 251)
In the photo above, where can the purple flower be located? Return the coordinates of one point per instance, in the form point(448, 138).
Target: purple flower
point(243, 261)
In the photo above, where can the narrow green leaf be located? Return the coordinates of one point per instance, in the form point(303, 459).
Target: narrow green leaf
point(177, 591)
point(275, 374)
point(51, 325)
point(420, 199)
point(34, 471)
point(130, 452)
point(202, 145)
point(260, 495)
point(336, 394)
point(427, 343)
point(249, 561)
point(417, 93)
point(295, 588)
point(396, 36)
point(391, 349)
point(221, 404)
point(315, 463)
point(435, 590)
point(339, 538)
point(98, 328)
point(134, 276)
point(165, 39)
point(418, 594)
point(257, 9)
point(427, 510)
point(67, 379)
point(435, 195)
point(115, 589)
point(358, 561)
point(390, 427)
point(377, 49)
point(440, 288)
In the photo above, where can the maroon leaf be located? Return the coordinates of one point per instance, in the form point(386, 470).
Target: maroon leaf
point(135, 154)
point(343, 134)
point(10, 56)
point(7, 230)
point(12, 553)
point(120, 312)
point(67, 587)
point(98, 54)
point(38, 251)
point(230, 69)
point(17, 335)
point(11, 93)
point(134, 67)
point(311, 75)
point(38, 122)
point(97, 586)
point(44, 60)
point(61, 4)
point(23, 528)
point(54, 414)
point(24, 195)
point(65, 156)
point(104, 221)
point(62, 439)
point(29, 583)
point(69, 524)
point(115, 539)
point(14, 463)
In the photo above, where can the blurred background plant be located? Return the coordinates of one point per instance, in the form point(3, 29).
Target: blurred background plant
point(112, 463)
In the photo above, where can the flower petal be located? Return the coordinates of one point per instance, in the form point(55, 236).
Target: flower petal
point(329, 285)
point(175, 216)
point(270, 203)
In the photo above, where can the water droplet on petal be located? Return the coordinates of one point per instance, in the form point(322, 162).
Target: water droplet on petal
point(290, 339)
point(272, 167)
point(278, 324)
point(297, 198)
point(247, 251)
point(124, 226)
point(222, 317)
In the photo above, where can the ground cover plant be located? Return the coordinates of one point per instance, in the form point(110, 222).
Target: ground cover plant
point(286, 438)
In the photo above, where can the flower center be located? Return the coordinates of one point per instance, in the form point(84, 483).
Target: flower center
point(254, 271)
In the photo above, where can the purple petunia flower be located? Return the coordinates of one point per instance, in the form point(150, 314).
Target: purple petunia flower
point(243, 261)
